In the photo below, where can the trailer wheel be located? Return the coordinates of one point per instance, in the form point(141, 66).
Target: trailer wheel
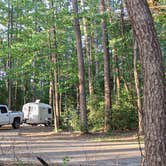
point(48, 124)
point(16, 123)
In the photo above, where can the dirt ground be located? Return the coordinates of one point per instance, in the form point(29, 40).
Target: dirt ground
point(28, 142)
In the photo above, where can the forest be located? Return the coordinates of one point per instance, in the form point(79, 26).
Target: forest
point(99, 64)
point(38, 60)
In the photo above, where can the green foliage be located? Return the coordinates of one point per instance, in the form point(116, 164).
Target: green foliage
point(66, 159)
point(95, 113)
point(30, 43)
point(3, 92)
point(70, 120)
point(124, 114)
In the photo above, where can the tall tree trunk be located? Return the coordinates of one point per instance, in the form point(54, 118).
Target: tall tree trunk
point(24, 92)
point(81, 69)
point(60, 104)
point(9, 93)
point(55, 116)
point(117, 78)
point(9, 63)
point(107, 89)
point(137, 87)
point(88, 53)
point(96, 47)
point(54, 59)
point(77, 99)
point(51, 89)
point(55, 83)
point(154, 105)
point(56, 99)
point(51, 93)
point(122, 29)
point(15, 95)
point(34, 87)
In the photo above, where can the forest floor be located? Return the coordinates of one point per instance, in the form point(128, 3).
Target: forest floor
point(28, 142)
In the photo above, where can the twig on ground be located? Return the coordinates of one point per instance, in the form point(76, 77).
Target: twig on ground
point(140, 149)
point(44, 163)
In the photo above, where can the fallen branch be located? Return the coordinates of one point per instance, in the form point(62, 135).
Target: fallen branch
point(44, 163)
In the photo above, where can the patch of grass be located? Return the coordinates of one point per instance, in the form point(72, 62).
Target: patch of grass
point(108, 139)
point(116, 136)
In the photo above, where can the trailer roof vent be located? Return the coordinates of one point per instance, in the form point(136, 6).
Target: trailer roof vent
point(37, 101)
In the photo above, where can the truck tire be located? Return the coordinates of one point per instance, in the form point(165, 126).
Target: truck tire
point(16, 123)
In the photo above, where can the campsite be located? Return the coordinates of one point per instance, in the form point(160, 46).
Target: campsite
point(83, 82)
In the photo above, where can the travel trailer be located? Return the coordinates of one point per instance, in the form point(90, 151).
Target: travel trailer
point(37, 113)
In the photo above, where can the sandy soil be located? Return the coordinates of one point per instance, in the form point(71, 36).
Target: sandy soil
point(28, 142)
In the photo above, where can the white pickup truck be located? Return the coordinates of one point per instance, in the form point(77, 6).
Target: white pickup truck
point(9, 117)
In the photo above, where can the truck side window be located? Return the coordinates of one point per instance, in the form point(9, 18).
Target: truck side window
point(3, 110)
point(49, 111)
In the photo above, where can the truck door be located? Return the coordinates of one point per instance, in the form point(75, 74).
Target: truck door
point(4, 116)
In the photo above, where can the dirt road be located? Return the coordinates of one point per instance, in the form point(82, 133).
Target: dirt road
point(28, 142)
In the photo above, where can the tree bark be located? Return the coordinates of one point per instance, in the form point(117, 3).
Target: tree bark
point(107, 89)
point(9, 62)
point(55, 84)
point(81, 69)
point(56, 101)
point(51, 93)
point(51, 72)
point(15, 96)
point(54, 59)
point(117, 78)
point(96, 48)
point(25, 92)
point(154, 104)
point(60, 104)
point(137, 87)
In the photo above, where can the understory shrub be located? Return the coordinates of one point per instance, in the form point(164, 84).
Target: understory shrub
point(124, 114)
point(95, 107)
point(70, 120)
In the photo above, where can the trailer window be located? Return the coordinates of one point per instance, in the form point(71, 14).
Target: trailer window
point(49, 111)
point(3, 110)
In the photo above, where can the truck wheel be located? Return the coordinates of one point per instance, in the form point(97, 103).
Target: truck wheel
point(16, 123)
